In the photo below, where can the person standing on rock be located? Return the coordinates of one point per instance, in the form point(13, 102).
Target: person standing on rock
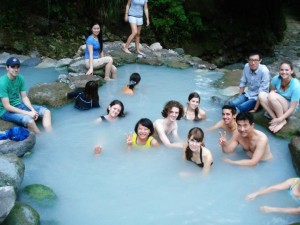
point(134, 15)
point(20, 110)
point(283, 100)
point(94, 56)
point(257, 77)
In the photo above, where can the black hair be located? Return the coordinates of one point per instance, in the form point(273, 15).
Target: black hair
point(245, 116)
point(146, 123)
point(91, 90)
point(169, 105)
point(134, 79)
point(231, 108)
point(254, 52)
point(117, 102)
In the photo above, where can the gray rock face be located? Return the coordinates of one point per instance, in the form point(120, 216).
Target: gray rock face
point(18, 147)
point(32, 62)
point(8, 198)
point(294, 147)
point(22, 214)
point(11, 171)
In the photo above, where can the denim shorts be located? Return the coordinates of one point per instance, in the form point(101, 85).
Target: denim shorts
point(137, 20)
point(23, 119)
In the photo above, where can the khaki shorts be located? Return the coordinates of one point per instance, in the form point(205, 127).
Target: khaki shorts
point(98, 63)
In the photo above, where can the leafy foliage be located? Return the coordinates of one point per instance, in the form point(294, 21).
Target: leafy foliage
point(171, 21)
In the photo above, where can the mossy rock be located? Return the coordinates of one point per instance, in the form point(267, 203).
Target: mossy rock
point(22, 214)
point(39, 193)
point(49, 94)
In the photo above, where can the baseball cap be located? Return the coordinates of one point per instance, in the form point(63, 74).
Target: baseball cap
point(12, 61)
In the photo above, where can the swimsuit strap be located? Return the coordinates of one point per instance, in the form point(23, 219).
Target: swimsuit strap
point(201, 155)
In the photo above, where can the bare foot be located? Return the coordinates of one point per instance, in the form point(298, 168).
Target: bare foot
point(107, 78)
point(126, 50)
point(279, 126)
point(141, 53)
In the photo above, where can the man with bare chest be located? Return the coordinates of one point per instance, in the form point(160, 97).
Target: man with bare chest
point(254, 142)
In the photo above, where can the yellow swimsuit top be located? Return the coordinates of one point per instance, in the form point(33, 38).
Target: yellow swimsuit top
point(148, 142)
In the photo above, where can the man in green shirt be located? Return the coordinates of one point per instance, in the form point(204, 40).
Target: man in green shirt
point(15, 105)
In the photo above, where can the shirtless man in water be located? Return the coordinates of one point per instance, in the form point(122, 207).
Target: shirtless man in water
point(254, 142)
point(228, 120)
point(172, 111)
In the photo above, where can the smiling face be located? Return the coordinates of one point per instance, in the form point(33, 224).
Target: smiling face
point(114, 110)
point(227, 116)
point(194, 145)
point(143, 132)
point(13, 71)
point(194, 103)
point(244, 127)
point(173, 113)
point(96, 30)
point(286, 71)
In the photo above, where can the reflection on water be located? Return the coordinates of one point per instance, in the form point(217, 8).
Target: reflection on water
point(149, 186)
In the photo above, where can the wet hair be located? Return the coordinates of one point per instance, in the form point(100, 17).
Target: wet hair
point(100, 36)
point(191, 96)
point(91, 90)
point(146, 123)
point(169, 105)
point(254, 53)
point(245, 116)
point(198, 135)
point(117, 102)
point(291, 66)
point(231, 108)
point(134, 79)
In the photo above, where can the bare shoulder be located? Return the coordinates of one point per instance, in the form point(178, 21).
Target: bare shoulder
point(261, 136)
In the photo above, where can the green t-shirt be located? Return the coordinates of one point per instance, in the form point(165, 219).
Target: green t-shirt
point(11, 89)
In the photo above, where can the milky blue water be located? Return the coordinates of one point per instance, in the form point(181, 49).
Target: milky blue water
point(147, 186)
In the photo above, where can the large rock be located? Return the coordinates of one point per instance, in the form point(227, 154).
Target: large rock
point(32, 61)
point(39, 193)
point(8, 198)
point(289, 130)
point(5, 125)
point(50, 94)
point(22, 214)
point(18, 147)
point(81, 80)
point(294, 147)
point(11, 171)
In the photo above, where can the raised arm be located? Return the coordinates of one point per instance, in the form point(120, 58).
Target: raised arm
point(276, 187)
point(216, 126)
point(228, 146)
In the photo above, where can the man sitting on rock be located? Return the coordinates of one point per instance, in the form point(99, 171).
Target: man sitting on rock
point(20, 110)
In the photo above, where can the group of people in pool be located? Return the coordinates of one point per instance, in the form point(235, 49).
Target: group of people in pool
point(237, 120)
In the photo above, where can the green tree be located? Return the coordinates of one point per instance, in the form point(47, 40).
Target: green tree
point(172, 23)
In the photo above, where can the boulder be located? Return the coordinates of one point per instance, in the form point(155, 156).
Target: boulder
point(294, 147)
point(22, 214)
point(19, 148)
point(50, 94)
point(39, 193)
point(63, 62)
point(156, 46)
point(47, 62)
point(5, 125)
point(77, 66)
point(32, 62)
point(11, 171)
point(8, 198)
point(81, 80)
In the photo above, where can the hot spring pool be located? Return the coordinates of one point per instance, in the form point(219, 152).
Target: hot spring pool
point(152, 186)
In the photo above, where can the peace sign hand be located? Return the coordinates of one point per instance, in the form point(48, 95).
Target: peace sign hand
point(222, 139)
point(129, 138)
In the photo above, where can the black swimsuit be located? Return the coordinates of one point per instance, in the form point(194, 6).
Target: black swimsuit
point(200, 164)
